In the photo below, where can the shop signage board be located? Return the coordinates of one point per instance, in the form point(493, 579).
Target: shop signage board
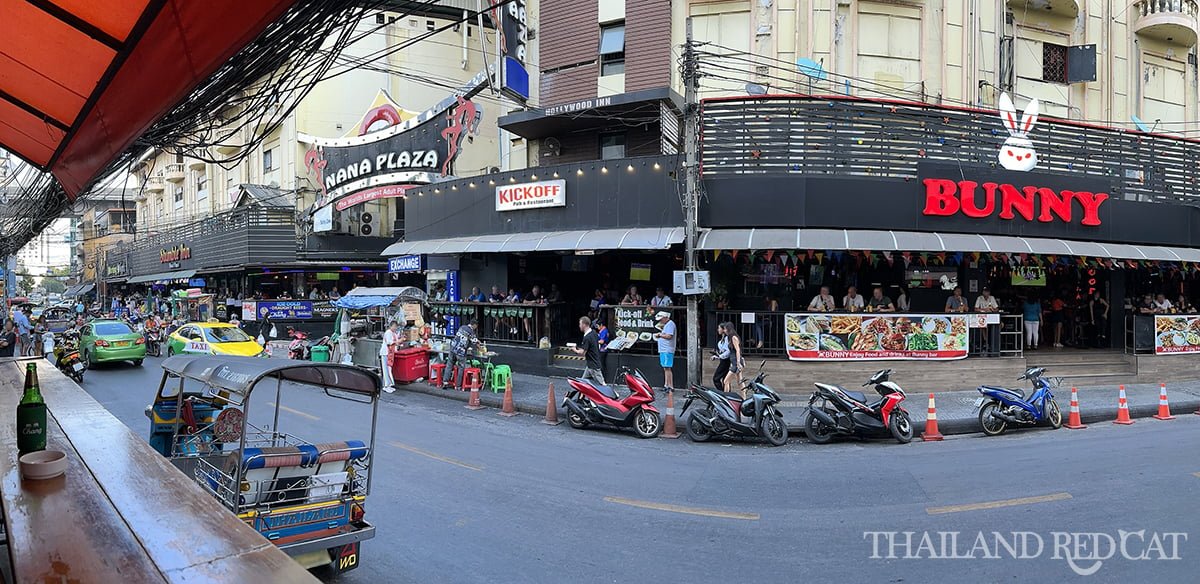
point(635, 323)
point(514, 34)
point(323, 219)
point(875, 336)
point(253, 310)
point(531, 195)
point(406, 264)
point(1175, 335)
point(174, 254)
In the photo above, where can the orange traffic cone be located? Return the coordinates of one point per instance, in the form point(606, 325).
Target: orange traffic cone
point(1164, 409)
point(669, 425)
point(551, 408)
point(473, 403)
point(1122, 409)
point(508, 410)
point(1073, 421)
point(931, 433)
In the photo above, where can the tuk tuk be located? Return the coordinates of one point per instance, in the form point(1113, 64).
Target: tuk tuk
point(57, 319)
point(192, 305)
point(307, 497)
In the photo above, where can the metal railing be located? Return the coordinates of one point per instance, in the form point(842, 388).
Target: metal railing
point(510, 323)
point(837, 135)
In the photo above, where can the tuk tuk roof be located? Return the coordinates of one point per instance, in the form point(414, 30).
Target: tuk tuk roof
point(240, 374)
point(363, 297)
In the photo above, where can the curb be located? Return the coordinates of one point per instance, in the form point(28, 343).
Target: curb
point(946, 425)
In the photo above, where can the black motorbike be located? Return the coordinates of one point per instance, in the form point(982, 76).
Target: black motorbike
point(717, 413)
point(154, 342)
point(847, 413)
point(66, 355)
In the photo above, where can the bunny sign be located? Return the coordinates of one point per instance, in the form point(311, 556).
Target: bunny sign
point(1017, 152)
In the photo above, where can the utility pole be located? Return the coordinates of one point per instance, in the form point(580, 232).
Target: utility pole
point(691, 197)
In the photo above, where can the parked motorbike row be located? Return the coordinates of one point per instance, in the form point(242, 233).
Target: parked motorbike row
point(833, 411)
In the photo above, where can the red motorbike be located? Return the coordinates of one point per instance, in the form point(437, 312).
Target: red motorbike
point(588, 403)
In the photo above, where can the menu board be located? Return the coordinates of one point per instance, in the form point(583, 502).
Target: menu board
point(1176, 334)
point(834, 337)
point(636, 324)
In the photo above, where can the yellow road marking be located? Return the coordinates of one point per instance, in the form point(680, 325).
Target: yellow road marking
point(998, 504)
point(295, 411)
point(680, 509)
point(438, 457)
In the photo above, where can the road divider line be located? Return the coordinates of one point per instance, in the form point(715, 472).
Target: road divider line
point(437, 457)
point(295, 411)
point(681, 509)
point(998, 504)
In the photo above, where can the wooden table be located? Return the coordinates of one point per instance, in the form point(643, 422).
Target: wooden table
point(122, 512)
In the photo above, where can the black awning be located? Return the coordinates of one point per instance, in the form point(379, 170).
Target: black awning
point(572, 117)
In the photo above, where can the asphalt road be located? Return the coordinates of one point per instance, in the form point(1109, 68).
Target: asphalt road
point(462, 496)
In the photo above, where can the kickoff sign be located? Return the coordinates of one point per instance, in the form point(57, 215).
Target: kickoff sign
point(534, 195)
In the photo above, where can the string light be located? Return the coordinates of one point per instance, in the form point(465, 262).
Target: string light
point(556, 174)
point(579, 172)
point(491, 182)
point(656, 166)
point(629, 168)
point(604, 169)
point(512, 179)
point(533, 176)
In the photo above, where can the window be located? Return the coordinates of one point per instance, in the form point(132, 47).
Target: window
point(178, 196)
point(201, 183)
point(380, 18)
point(612, 146)
point(268, 160)
point(612, 49)
point(1054, 63)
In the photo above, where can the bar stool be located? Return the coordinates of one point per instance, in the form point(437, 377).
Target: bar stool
point(500, 376)
point(436, 371)
point(472, 379)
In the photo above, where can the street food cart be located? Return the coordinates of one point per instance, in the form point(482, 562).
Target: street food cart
point(192, 305)
point(371, 309)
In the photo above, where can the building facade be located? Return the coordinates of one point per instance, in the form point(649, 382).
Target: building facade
point(256, 226)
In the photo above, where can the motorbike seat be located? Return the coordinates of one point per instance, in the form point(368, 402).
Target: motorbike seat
point(732, 395)
point(856, 395)
point(1020, 393)
point(604, 390)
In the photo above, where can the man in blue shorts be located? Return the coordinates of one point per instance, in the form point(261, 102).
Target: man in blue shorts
point(666, 347)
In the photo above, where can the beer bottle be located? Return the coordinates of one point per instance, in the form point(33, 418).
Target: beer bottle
point(31, 414)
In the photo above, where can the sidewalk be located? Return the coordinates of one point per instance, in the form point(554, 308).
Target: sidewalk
point(955, 409)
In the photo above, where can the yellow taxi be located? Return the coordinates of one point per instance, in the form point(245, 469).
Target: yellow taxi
point(213, 338)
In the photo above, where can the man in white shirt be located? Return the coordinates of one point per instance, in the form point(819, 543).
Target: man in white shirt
point(852, 302)
point(986, 302)
point(822, 302)
point(389, 340)
point(1161, 304)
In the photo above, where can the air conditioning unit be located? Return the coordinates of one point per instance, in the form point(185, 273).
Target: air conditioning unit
point(368, 223)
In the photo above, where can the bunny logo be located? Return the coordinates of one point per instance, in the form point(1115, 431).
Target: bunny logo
point(1017, 152)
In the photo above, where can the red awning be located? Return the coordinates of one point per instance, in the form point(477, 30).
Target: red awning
point(81, 79)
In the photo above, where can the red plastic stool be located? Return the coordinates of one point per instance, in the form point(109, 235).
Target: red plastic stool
point(436, 370)
point(472, 379)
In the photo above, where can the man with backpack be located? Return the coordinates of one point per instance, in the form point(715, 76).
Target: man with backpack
point(461, 350)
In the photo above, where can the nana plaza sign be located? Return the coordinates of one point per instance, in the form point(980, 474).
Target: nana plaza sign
point(533, 195)
point(981, 193)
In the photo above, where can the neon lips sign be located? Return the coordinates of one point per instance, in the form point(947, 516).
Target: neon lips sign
point(945, 198)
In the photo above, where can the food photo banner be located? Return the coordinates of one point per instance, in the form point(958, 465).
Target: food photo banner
point(838, 337)
point(1175, 335)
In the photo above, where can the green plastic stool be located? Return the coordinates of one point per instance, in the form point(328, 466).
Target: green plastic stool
point(500, 376)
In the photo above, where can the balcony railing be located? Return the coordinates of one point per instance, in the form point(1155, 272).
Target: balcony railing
point(887, 139)
point(174, 172)
point(1173, 21)
point(1065, 8)
point(156, 184)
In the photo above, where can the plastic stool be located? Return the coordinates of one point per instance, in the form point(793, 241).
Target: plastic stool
point(472, 379)
point(500, 377)
point(436, 371)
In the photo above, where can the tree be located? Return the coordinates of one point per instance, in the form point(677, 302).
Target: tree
point(25, 285)
point(53, 285)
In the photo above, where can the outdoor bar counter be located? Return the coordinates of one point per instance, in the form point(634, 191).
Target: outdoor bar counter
point(122, 512)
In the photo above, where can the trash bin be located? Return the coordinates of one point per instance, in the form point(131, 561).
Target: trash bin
point(320, 354)
point(410, 364)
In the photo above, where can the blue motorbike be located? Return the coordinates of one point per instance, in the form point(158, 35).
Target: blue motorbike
point(1000, 406)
